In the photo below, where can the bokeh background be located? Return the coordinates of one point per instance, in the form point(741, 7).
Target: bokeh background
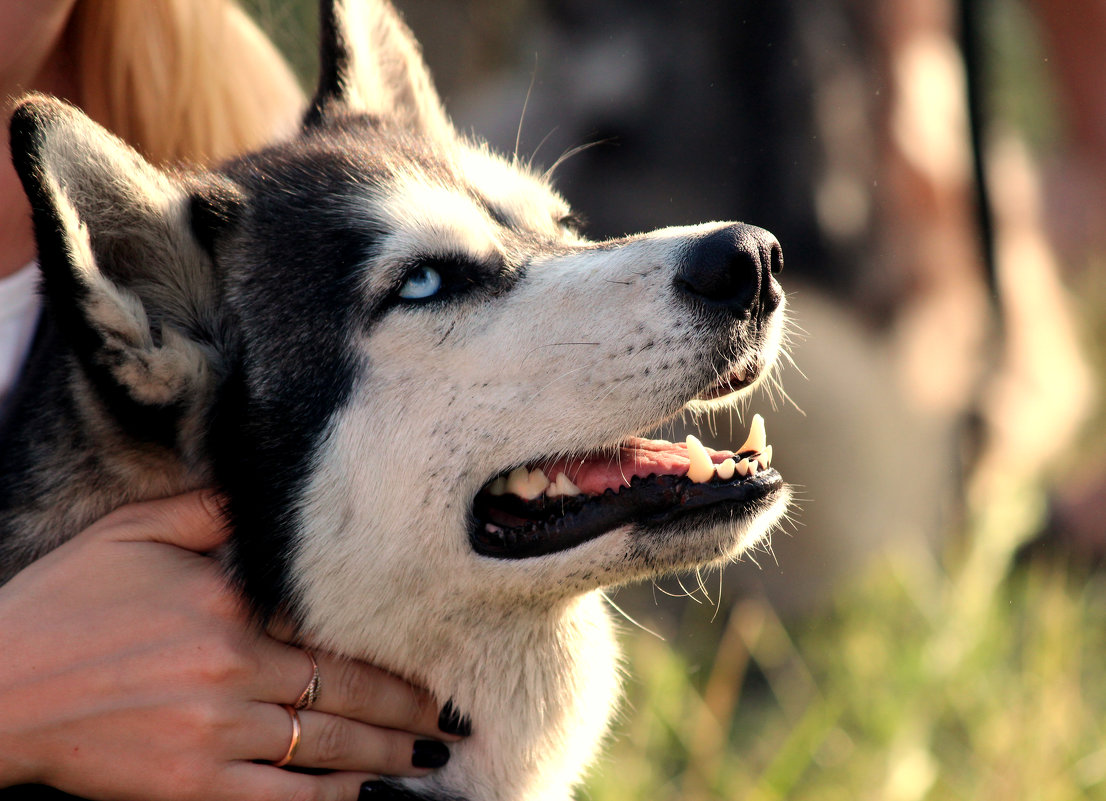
point(933, 623)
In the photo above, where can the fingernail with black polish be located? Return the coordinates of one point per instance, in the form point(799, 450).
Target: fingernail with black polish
point(451, 721)
point(429, 754)
point(372, 790)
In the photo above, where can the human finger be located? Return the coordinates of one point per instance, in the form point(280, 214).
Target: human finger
point(247, 780)
point(358, 690)
point(365, 693)
point(194, 521)
point(318, 740)
point(286, 674)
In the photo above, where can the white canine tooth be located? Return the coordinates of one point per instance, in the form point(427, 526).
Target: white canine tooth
point(518, 482)
point(744, 467)
point(757, 440)
point(725, 470)
point(701, 468)
point(764, 458)
point(564, 483)
point(498, 487)
point(562, 486)
point(740, 374)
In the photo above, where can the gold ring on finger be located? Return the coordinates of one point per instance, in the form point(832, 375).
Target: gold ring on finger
point(310, 693)
point(297, 730)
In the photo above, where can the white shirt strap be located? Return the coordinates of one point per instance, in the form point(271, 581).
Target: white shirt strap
point(19, 310)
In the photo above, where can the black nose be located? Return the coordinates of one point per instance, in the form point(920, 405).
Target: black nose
point(732, 268)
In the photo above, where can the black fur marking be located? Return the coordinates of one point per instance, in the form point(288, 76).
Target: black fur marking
point(497, 214)
point(213, 210)
point(451, 721)
point(262, 443)
point(18, 423)
point(573, 221)
point(335, 57)
point(282, 391)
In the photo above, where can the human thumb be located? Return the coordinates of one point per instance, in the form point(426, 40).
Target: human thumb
point(195, 521)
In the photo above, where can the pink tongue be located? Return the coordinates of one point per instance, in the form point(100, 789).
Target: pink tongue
point(596, 474)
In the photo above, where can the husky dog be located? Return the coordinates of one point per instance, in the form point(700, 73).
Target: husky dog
point(419, 386)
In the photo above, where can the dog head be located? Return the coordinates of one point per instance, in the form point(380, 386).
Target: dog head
point(420, 386)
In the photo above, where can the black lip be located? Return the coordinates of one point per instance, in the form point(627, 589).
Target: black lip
point(727, 386)
point(526, 529)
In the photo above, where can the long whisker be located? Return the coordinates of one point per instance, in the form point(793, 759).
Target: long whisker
point(624, 614)
point(570, 153)
point(544, 139)
point(525, 104)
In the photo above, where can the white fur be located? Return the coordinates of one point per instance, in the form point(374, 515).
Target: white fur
point(452, 396)
point(427, 218)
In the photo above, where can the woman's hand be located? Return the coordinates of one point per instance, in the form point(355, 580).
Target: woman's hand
point(130, 670)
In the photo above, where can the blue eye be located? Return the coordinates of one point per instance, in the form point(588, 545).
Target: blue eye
point(421, 284)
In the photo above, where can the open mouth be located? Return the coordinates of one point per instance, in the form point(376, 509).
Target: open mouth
point(551, 506)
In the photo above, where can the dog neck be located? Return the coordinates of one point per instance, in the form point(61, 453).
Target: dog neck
point(513, 646)
point(538, 685)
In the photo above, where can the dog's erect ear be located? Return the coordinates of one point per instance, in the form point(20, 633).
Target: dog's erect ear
point(371, 64)
point(130, 287)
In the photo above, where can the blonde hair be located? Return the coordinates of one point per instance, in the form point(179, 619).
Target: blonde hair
point(181, 80)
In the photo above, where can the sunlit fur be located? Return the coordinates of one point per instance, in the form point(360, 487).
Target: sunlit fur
point(388, 417)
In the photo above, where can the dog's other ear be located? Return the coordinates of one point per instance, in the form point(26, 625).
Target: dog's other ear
point(130, 287)
point(371, 64)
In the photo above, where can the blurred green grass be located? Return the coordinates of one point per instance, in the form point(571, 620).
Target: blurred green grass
point(921, 683)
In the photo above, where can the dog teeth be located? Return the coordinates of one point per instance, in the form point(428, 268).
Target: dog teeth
point(757, 440)
point(518, 481)
point(538, 483)
point(562, 486)
point(740, 374)
point(532, 484)
point(701, 468)
point(527, 485)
